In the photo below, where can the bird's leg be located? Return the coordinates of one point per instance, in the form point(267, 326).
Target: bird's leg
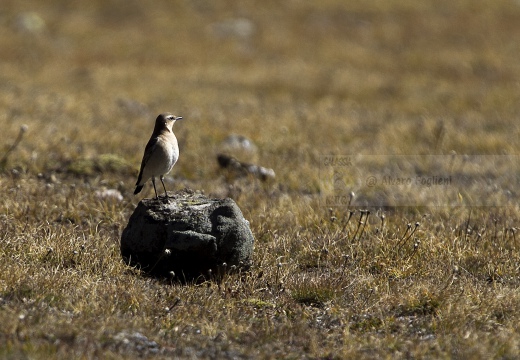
point(153, 182)
point(164, 187)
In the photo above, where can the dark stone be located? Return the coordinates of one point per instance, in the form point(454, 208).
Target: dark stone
point(188, 234)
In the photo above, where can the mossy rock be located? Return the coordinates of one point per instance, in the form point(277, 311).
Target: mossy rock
point(188, 234)
point(104, 163)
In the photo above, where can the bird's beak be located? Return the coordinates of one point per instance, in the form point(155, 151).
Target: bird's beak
point(178, 118)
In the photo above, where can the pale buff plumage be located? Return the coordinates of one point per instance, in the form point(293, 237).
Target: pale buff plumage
point(160, 154)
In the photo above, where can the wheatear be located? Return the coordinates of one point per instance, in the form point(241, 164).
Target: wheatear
point(160, 154)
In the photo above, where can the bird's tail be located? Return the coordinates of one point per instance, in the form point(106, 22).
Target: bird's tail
point(138, 189)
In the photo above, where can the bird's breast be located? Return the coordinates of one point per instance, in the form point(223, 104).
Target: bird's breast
point(170, 149)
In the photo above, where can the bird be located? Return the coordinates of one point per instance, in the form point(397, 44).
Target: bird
point(160, 154)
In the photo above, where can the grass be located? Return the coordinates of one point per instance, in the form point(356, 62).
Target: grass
point(302, 80)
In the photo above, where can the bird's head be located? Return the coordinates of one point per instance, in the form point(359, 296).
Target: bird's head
point(166, 120)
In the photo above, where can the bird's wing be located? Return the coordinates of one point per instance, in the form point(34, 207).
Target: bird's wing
point(148, 151)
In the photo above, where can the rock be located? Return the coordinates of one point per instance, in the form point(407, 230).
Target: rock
point(241, 168)
point(239, 28)
point(135, 341)
point(109, 194)
point(239, 147)
point(187, 234)
point(238, 142)
point(30, 22)
point(133, 107)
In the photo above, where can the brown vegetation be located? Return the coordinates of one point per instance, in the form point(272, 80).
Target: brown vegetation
point(301, 80)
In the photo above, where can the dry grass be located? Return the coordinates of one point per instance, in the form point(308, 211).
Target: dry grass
point(302, 80)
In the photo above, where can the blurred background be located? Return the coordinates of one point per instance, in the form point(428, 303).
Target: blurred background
point(298, 79)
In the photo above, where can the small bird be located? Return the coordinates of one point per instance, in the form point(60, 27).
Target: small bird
point(160, 154)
